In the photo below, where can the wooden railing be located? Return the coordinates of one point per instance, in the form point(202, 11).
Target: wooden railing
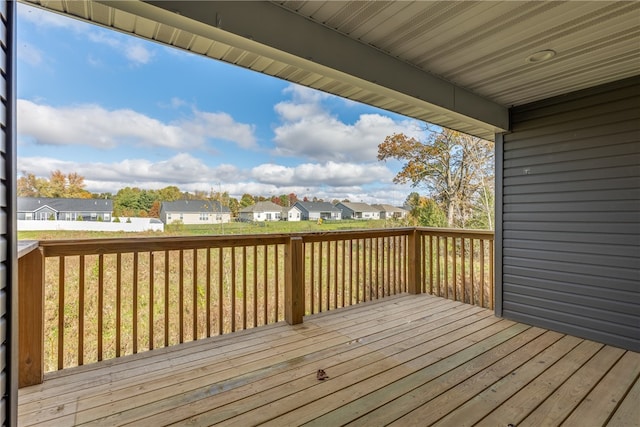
point(458, 264)
point(92, 300)
point(343, 269)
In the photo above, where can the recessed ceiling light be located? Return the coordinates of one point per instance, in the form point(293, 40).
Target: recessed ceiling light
point(541, 56)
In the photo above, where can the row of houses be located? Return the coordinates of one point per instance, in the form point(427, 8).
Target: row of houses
point(313, 211)
point(203, 211)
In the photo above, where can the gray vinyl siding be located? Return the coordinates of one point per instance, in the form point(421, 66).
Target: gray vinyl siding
point(8, 266)
point(570, 253)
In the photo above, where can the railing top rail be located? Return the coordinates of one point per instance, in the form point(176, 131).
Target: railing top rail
point(150, 244)
point(456, 232)
point(327, 236)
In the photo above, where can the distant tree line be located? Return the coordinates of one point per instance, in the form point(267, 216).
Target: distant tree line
point(137, 202)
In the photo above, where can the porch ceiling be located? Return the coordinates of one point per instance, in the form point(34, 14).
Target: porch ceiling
point(456, 64)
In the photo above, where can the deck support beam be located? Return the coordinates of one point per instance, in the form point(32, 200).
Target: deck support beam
point(31, 318)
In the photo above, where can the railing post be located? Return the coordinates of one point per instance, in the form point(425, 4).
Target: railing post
point(31, 318)
point(415, 259)
point(294, 281)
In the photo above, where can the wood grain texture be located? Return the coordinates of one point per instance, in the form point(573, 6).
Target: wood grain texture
point(406, 359)
point(31, 318)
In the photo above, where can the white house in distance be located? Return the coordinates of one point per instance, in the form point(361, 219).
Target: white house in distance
point(61, 209)
point(389, 212)
point(293, 214)
point(358, 211)
point(194, 212)
point(318, 210)
point(261, 211)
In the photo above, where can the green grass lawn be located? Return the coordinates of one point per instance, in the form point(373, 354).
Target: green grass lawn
point(217, 229)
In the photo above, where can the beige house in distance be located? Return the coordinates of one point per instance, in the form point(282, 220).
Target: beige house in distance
point(389, 211)
point(261, 211)
point(194, 212)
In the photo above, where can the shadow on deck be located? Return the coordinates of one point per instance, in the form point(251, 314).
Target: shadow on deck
point(405, 360)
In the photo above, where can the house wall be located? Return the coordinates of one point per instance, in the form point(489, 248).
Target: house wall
point(314, 215)
point(46, 214)
point(8, 246)
point(569, 178)
point(294, 215)
point(260, 216)
point(346, 213)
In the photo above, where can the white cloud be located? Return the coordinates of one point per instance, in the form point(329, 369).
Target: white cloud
point(309, 131)
point(95, 126)
point(182, 170)
point(138, 53)
point(329, 173)
point(220, 126)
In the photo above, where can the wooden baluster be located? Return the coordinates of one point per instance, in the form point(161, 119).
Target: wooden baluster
point(276, 283)
point(438, 262)
point(482, 273)
point(81, 286)
point(119, 303)
point(166, 298)
point(255, 286)
point(335, 274)
point(368, 259)
point(265, 287)
point(446, 267)
point(208, 292)
point(220, 292)
point(455, 269)
point(431, 265)
point(181, 297)
point(344, 263)
point(100, 306)
point(194, 301)
point(462, 267)
point(358, 271)
point(244, 287)
point(472, 267)
point(233, 289)
point(61, 274)
point(135, 303)
point(351, 272)
point(320, 301)
point(312, 276)
point(151, 299)
point(328, 277)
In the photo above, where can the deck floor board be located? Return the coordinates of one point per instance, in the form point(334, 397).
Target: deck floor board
point(403, 360)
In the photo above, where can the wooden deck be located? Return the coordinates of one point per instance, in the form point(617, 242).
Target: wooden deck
point(406, 360)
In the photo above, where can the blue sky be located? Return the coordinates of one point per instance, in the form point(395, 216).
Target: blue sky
point(122, 111)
